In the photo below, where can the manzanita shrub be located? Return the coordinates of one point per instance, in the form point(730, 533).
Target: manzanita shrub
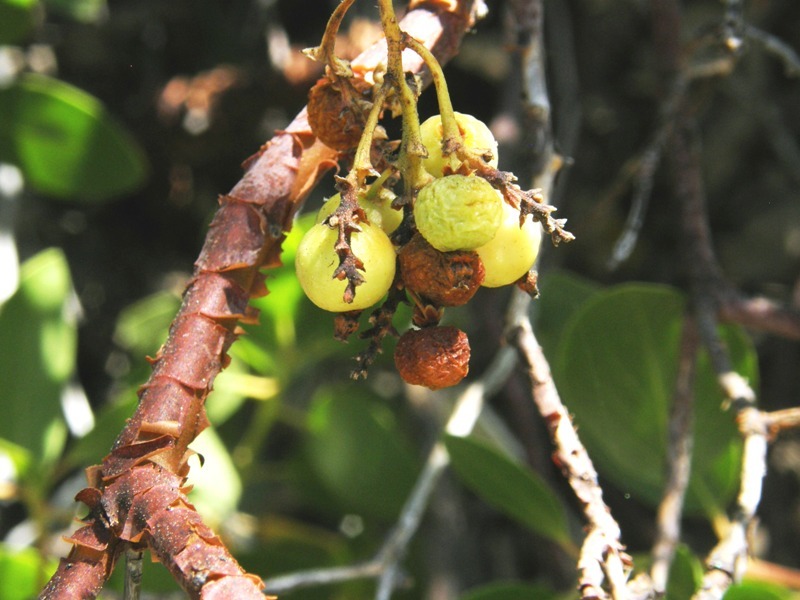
point(255, 444)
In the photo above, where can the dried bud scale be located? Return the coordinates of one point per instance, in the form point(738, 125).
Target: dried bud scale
point(334, 112)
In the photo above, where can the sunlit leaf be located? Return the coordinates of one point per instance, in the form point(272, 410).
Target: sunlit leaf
point(65, 142)
point(22, 573)
point(509, 487)
point(109, 422)
point(616, 368)
point(217, 486)
point(37, 356)
point(757, 590)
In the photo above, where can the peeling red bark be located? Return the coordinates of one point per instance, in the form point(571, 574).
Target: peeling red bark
point(137, 494)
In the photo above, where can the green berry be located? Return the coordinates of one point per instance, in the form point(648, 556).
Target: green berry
point(458, 212)
point(316, 261)
point(512, 251)
point(379, 211)
point(477, 138)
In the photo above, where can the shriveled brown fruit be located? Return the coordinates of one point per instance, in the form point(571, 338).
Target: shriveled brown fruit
point(335, 112)
point(436, 357)
point(444, 278)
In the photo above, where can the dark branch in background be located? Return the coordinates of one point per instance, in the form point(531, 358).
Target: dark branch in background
point(135, 496)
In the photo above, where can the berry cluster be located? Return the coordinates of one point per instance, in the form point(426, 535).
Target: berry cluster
point(467, 235)
point(426, 220)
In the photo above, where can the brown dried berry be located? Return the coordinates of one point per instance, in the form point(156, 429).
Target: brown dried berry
point(435, 357)
point(443, 278)
point(335, 113)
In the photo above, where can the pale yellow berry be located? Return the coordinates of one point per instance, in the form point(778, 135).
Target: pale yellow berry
point(476, 137)
point(512, 251)
point(316, 261)
point(458, 212)
point(379, 211)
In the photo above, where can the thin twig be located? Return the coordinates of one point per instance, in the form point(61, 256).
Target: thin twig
point(727, 562)
point(679, 460)
point(317, 577)
point(602, 556)
point(774, 45)
point(780, 420)
point(759, 314)
point(133, 574)
point(733, 24)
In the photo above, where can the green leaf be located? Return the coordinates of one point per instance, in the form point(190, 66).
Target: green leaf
point(66, 144)
point(356, 452)
point(516, 491)
point(37, 356)
point(561, 294)
point(756, 590)
point(511, 591)
point(685, 574)
point(279, 308)
point(85, 11)
point(217, 486)
point(616, 368)
point(143, 326)
point(16, 20)
point(22, 573)
point(109, 422)
point(20, 457)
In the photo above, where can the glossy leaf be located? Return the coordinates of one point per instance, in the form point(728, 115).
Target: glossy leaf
point(65, 143)
point(616, 370)
point(560, 295)
point(357, 453)
point(16, 20)
point(37, 356)
point(509, 487)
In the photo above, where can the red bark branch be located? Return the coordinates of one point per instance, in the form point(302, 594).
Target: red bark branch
point(136, 495)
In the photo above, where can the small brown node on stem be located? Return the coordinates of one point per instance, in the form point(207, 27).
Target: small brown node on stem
point(336, 111)
point(435, 357)
point(530, 284)
point(443, 278)
point(345, 324)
